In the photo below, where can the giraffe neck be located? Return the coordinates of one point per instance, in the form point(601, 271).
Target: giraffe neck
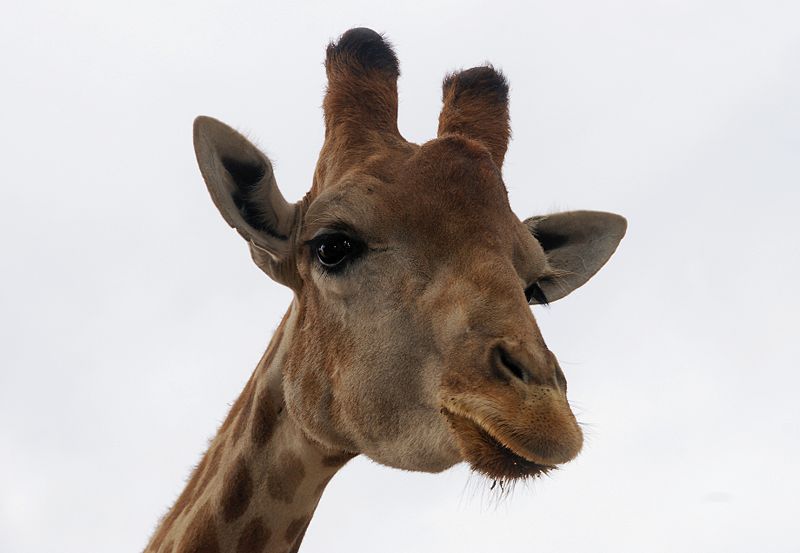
point(261, 478)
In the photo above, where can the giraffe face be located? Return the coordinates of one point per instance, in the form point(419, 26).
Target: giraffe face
point(413, 340)
point(415, 343)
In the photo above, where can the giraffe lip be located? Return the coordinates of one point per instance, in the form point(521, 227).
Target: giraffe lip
point(488, 453)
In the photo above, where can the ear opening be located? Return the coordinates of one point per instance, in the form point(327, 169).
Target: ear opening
point(242, 185)
point(577, 245)
point(251, 196)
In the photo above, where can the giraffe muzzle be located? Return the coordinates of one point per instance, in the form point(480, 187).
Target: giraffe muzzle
point(512, 420)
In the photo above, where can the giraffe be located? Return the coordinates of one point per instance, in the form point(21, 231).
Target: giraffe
point(410, 337)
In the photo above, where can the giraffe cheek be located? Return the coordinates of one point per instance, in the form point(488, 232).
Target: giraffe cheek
point(403, 427)
point(310, 402)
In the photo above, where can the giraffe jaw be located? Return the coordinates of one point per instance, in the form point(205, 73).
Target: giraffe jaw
point(489, 454)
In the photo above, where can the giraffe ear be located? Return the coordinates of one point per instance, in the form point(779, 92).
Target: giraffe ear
point(242, 185)
point(577, 245)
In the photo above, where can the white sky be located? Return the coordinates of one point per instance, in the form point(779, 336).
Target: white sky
point(131, 315)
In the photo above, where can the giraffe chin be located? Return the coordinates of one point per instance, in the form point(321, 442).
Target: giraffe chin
point(487, 455)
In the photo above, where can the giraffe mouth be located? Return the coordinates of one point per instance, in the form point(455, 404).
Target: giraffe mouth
point(488, 454)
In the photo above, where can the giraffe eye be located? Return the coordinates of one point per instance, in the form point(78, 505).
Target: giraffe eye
point(535, 295)
point(333, 251)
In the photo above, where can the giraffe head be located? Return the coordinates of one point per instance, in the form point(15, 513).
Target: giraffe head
point(414, 341)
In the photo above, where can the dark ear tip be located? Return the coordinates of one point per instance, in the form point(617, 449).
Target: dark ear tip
point(365, 47)
point(484, 80)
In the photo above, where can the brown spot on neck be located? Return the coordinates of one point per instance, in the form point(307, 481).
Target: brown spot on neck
point(237, 491)
point(253, 466)
point(290, 466)
point(264, 419)
point(295, 531)
point(253, 537)
point(211, 468)
point(201, 535)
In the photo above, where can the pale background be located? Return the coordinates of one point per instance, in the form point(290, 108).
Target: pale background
point(131, 315)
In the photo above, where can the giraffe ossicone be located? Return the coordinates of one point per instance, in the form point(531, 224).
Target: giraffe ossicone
point(410, 338)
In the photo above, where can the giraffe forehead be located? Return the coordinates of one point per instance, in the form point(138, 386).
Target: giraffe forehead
point(455, 176)
point(447, 187)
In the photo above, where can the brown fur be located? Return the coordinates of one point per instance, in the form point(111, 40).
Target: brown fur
point(360, 104)
point(200, 476)
point(237, 407)
point(291, 467)
point(237, 491)
point(476, 105)
point(337, 460)
point(211, 470)
point(295, 527)
point(201, 535)
point(243, 416)
point(421, 350)
point(264, 419)
point(253, 537)
point(299, 539)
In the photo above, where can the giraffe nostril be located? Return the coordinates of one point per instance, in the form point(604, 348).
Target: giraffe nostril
point(510, 366)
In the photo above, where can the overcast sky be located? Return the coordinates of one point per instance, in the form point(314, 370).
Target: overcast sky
point(131, 314)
